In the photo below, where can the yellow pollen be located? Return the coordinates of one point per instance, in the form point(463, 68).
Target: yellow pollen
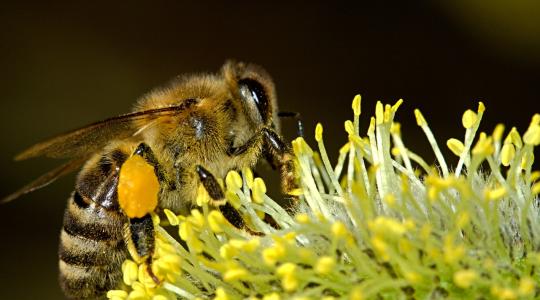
point(535, 189)
point(357, 104)
point(468, 119)
point(456, 146)
point(236, 274)
point(395, 128)
point(532, 135)
point(289, 283)
point(172, 217)
point(535, 175)
point(371, 128)
point(286, 269)
point(390, 199)
point(515, 137)
point(356, 294)
point(507, 154)
point(233, 198)
point(387, 113)
point(138, 187)
point(248, 175)
point(273, 296)
point(233, 181)
point(465, 278)
point(202, 196)
point(221, 294)
point(380, 246)
point(145, 278)
point(503, 293)
point(498, 132)
point(196, 218)
point(397, 105)
point(382, 225)
point(495, 194)
point(535, 120)
point(325, 265)
point(413, 277)
point(484, 146)
point(273, 254)
point(117, 294)
point(227, 251)
point(420, 120)
point(379, 113)
point(339, 229)
point(463, 219)
point(216, 220)
point(259, 190)
point(130, 271)
point(345, 148)
point(302, 218)
point(318, 132)
point(526, 286)
point(349, 127)
point(481, 107)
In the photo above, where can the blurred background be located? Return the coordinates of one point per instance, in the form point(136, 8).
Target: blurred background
point(65, 65)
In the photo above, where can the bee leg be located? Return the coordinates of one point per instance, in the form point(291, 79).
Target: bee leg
point(141, 241)
point(210, 184)
point(281, 155)
point(235, 151)
point(146, 152)
point(297, 117)
point(140, 232)
point(216, 193)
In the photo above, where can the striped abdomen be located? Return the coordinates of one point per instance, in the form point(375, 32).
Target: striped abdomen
point(92, 246)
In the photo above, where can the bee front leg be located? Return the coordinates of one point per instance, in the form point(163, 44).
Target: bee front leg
point(281, 155)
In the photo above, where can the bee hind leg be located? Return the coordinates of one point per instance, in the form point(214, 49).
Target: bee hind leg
point(139, 231)
point(141, 242)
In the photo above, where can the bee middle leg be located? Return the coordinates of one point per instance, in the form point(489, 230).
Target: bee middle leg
point(277, 153)
point(216, 193)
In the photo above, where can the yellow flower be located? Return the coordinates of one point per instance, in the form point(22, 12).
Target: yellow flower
point(465, 278)
point(325, 265)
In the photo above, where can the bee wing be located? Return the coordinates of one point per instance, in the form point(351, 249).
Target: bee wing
point(91, 138)
point(46, 178)
point(81, 143)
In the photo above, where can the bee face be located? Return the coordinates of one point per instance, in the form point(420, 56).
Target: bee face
point(218, 112)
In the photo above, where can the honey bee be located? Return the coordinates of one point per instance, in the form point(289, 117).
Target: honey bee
point(192, 131)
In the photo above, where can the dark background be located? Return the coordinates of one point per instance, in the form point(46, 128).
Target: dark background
point(65, 65)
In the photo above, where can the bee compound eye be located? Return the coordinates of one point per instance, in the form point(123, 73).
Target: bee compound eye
point(253, 92)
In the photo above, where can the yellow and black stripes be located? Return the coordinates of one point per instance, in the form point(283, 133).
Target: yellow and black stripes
point(92, 246)
point(91, 249)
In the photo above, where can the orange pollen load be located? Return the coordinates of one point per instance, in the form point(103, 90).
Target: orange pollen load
point(138, 187)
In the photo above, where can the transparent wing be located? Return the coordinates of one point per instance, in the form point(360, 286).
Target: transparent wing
point(80, 144)
point(46, 178)
point(89, 139)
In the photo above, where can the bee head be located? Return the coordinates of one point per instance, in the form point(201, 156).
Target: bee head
point(256, 91)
